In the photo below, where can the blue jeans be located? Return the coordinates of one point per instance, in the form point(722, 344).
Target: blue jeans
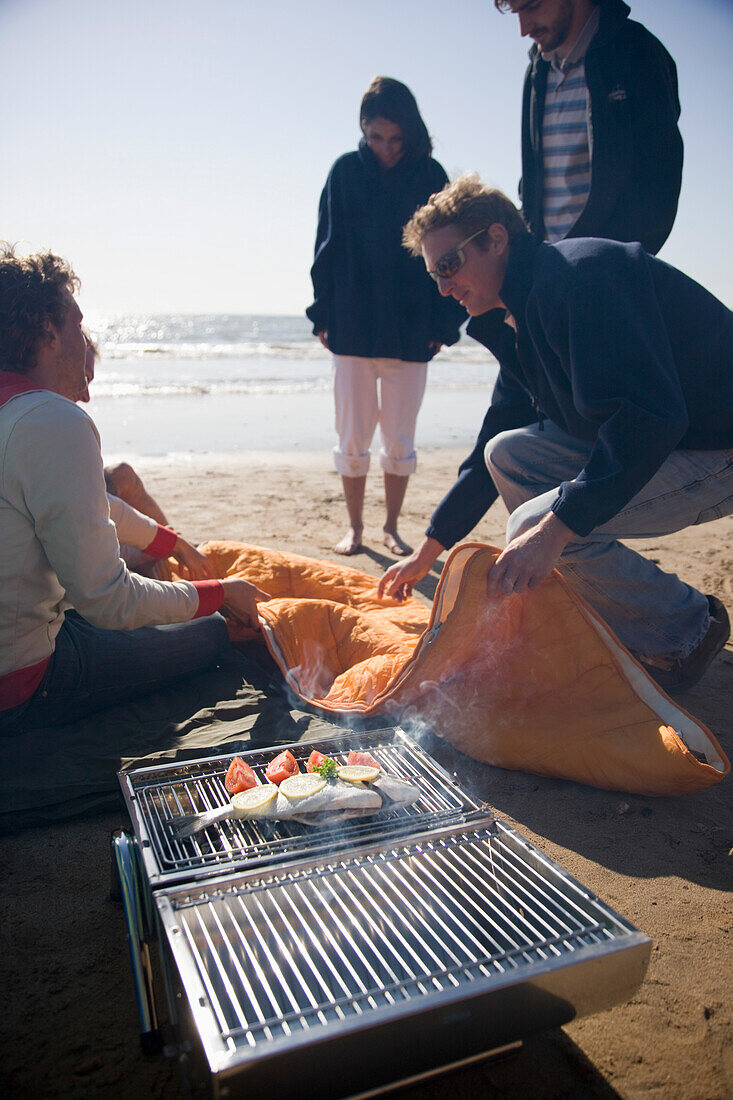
point(654, 613)
point(92, 668)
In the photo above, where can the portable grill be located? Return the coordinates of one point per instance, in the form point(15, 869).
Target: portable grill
point(339, 962)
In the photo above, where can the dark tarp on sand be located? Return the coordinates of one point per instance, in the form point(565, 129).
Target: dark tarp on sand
point(51, 775)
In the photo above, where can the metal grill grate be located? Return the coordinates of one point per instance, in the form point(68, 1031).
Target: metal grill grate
point(289, 951)
point(156, 795)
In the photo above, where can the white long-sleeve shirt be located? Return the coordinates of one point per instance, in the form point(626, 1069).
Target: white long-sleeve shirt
point(141, 539)
point(59, 546)
point(133, 527)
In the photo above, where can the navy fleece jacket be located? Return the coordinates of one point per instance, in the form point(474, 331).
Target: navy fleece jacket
point(371, 297)
point(636, 147)
point(618, 349)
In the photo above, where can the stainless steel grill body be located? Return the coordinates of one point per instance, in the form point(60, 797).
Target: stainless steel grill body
point(338, 976)
point(333, 963)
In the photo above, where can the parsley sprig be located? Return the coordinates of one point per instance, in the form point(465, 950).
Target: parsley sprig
point(327, 768)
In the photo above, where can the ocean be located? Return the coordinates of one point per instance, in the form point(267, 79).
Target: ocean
point(171, 384)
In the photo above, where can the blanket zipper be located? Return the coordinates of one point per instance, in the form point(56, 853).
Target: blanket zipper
point(430, 635)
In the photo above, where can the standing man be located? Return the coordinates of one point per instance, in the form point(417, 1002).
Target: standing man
point(601, 150)
point(78, 631)
point(611, 419)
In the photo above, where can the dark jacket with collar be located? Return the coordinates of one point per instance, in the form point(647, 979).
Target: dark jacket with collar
point(618, 349)
point(371, 296)
point(636, 148)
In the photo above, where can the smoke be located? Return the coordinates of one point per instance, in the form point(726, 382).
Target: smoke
point(475, 677)
point(313, 677)
point(465, 699)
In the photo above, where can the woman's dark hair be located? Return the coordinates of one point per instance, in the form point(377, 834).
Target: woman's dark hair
point(390, 99)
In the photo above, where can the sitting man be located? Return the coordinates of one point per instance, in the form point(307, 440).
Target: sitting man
point(611, 418)
point(59, 548)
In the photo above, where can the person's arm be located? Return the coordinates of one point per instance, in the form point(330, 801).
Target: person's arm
point(322, 271)
point(473, 491)
point(469, 498)
point(447, 314)
point(399, 580)
point(240, 599)
point(645, 150)
point(533, 104)
point(467, 501)
point(657, 144)
point(133, 528)
point(66, 498)
point(156, 540)
point(529, 558)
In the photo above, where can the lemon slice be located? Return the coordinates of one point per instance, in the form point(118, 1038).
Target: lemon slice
point(303, 785)
point(256, 798)
point(358, 773)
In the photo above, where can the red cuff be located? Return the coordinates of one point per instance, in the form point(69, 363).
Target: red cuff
point(163, 544)
point(211, 597)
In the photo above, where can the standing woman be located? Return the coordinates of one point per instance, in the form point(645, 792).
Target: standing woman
point(375, 307)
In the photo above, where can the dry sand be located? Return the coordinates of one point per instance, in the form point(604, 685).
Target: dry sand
point(69, 1025)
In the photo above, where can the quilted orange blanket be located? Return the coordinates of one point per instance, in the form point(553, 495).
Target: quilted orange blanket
point(534, 682)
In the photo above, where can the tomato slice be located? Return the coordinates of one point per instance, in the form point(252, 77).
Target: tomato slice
point(365, 759)
point(239, 777)
point(283, 766)
point(315, 760)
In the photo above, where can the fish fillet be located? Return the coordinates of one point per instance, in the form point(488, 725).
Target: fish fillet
point(335, 796)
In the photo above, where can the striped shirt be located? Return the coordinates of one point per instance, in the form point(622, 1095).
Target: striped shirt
point(566, 148)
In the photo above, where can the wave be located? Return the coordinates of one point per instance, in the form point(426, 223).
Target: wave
point(265, 387)
point(260, 350)
point(203, 389)
point(306, 351)
point(211, 337)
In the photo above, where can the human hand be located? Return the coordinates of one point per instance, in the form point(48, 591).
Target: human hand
point(323, 337)
point(529, 558)
point(195, 566)
point(436, 344)
point(241, 599)
point(401, 577)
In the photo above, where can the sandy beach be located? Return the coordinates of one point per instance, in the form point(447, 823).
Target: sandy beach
point(69, 1025)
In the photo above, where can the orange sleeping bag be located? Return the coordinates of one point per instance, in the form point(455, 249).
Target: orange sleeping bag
point(534, 682)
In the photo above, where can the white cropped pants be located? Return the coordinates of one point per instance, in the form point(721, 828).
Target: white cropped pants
point(368, 392)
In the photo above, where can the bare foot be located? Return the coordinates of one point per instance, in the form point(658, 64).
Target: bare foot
point(349, 544)
point(395, 545)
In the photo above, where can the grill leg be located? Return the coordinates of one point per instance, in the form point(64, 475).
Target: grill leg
point(126, 860)
point(115, 886)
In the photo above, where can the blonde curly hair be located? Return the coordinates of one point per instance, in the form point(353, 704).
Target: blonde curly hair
point(467, 205)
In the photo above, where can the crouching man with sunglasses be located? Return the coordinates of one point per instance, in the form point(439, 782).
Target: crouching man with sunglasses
point(611, 418)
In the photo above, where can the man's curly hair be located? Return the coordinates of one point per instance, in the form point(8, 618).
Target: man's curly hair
point(31, 295)
point(466, 205)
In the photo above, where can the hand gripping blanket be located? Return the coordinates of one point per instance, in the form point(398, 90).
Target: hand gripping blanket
point(535, 682)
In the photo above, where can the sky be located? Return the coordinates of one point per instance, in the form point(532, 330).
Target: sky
point(175, 151)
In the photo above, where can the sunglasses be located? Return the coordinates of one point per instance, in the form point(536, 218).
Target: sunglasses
point(453, 260)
